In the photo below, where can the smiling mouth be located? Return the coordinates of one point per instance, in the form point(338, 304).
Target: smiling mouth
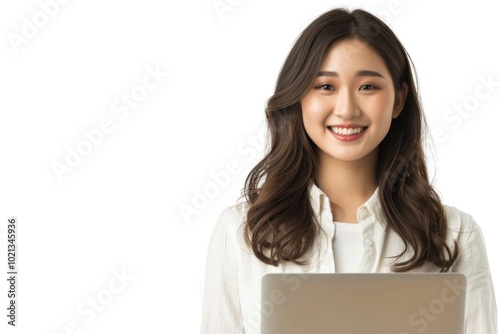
point(343, 131)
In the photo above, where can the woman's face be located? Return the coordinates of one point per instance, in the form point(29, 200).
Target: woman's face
point(349, 109)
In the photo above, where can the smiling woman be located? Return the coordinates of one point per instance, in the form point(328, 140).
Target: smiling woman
point(344, 184)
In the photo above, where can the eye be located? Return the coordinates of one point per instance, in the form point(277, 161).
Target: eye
point(325, 87)
point(368, 87)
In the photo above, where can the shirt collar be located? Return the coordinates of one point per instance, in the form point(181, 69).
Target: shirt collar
point(371, 208)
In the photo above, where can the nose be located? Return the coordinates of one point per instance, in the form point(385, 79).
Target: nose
point(345, 105)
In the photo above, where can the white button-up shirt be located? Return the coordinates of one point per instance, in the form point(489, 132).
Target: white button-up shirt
point(231, 303)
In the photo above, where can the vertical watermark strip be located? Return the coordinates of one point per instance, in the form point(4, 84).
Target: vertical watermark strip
point(12, 271)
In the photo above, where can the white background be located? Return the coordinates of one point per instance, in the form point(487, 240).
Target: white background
point(119, 209)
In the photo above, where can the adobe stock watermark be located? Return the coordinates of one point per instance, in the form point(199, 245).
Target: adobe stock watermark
point(31, 26)
point(87, 311)
point(421, 318)
point(121, 106)
point(394, 7)
point(453, 117)
point(248, 150)
point(222, 7)
point(275, 298)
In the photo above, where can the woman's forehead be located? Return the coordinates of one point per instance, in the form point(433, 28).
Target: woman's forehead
point(350, 56)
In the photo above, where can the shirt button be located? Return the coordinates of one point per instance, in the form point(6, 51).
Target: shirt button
point(362, 213)
point(369, 243)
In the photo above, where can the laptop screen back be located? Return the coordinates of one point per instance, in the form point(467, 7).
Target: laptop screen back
point(363, 303)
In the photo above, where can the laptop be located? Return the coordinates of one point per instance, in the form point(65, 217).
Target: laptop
point(366, 303)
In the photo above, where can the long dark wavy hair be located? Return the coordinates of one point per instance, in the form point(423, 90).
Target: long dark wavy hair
point(280, 224)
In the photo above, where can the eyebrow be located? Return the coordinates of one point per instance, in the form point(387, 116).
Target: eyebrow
point(362, 73)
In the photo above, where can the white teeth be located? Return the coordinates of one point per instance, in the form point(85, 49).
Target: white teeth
point(346, 131)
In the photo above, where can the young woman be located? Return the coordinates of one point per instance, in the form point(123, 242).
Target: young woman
point(344, 185)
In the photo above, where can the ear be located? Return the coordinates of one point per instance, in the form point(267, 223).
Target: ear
point(399, 101)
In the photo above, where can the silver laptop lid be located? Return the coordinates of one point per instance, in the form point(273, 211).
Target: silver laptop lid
point(429, 303)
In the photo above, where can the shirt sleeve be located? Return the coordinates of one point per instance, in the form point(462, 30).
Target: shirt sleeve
point(480, 308)
point(221, 312)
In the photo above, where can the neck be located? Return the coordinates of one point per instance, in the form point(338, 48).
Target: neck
point(348, 184)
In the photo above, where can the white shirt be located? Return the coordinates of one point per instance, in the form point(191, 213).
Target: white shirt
point(347, 247)
point(231, 303)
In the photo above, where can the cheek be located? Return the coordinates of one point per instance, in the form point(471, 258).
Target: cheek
point(307, 121)
point(309, 117)
point(382, 108)
point(313, 111)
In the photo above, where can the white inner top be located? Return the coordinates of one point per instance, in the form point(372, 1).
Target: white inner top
point(347, 247)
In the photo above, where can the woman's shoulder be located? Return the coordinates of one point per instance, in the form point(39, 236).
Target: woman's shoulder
point(459, 221)
point(228, 235)
point(231, 220)
point(234, 216)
